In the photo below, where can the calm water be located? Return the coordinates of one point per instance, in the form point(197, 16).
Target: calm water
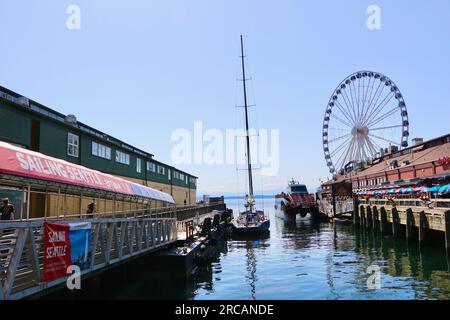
point(298, 261)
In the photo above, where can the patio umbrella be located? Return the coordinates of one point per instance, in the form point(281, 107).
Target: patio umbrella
point(433, 189)
point(444, 188)
point(391, 191)
point(409, 190)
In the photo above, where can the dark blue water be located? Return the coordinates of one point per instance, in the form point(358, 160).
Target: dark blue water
point(300, 260)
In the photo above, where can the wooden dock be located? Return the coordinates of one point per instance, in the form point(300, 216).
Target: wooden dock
point(413, 216)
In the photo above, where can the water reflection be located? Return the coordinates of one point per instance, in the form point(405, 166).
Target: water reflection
point(299, 260)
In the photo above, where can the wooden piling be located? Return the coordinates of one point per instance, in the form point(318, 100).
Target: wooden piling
point(375, 218)
point(361, 215)
point(355, 211)
point(447, 230)
point(383, 220)
point(369, 217)
point(422, 226)
point(409, 223)
point(395, 221)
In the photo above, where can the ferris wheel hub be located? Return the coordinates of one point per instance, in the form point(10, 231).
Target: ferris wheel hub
point(360, 131)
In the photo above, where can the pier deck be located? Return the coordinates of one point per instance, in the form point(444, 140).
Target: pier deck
point(416, 216)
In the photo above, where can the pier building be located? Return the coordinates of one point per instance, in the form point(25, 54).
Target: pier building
point(31, 125)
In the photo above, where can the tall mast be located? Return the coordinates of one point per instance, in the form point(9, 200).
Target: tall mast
point(249, 165)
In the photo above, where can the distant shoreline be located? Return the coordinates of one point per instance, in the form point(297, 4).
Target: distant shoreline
point(259, 196)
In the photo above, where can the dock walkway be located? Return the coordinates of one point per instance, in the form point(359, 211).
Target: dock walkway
point(116, 238)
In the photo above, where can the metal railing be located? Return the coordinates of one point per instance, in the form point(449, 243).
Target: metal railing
point(114, 239)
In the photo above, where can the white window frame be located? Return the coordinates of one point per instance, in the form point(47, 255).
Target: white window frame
point(102, 151)
point(161, 170)
point(122, 157)
point(138, 165)
point(73, 140)
point(151, 166)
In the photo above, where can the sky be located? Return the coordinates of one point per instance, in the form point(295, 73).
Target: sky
point(139, 70)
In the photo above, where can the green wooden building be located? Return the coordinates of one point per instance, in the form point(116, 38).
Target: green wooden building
point(29, 124)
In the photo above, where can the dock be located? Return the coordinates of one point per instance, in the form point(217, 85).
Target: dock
point(116, 238)
point(409, 217)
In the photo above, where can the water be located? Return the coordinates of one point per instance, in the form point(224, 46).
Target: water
point(299, 260)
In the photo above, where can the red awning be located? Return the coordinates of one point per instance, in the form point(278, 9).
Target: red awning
point(26, 163)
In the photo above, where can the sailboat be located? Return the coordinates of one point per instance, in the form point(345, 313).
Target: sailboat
point(251, 221)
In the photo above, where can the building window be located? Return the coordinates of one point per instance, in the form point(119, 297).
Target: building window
point(73, 145)
point(138, 165)
point(151, 166)
point(161, 170)
point(169, 174)
point(122, 157)
point(101, 150)
point(181, 176)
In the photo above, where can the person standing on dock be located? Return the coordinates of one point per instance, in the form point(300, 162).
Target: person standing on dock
point(7, 210)
point(90, 210)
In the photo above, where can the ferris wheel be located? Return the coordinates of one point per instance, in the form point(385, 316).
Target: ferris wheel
point(366, 113)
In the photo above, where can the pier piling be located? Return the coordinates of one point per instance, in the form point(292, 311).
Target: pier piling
point(355, 212)
point(447, 231)
point(409, 223)
point(369, 217)
point(395, 221)
point(361, 215)
point(383, 220)
point(422, 225)
point(375, 218)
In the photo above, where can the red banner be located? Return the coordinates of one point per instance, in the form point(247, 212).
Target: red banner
point(56, 251)
point(18, 161)
point(26, 163)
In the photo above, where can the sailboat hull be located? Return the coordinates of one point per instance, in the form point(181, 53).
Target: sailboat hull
point(250, 229)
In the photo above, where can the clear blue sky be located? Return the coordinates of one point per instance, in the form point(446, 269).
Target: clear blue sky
point(140, 69)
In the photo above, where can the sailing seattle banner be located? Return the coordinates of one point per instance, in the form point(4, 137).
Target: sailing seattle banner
point(65, 244)
point(26, 163)
point(56, 251)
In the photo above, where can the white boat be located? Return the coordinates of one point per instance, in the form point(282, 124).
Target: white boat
point(250, 221)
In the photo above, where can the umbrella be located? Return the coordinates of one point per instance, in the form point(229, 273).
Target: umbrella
point(409, 190)
point(391, 191)
point(398, 190)
point(444, 188)
point(433, 189)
